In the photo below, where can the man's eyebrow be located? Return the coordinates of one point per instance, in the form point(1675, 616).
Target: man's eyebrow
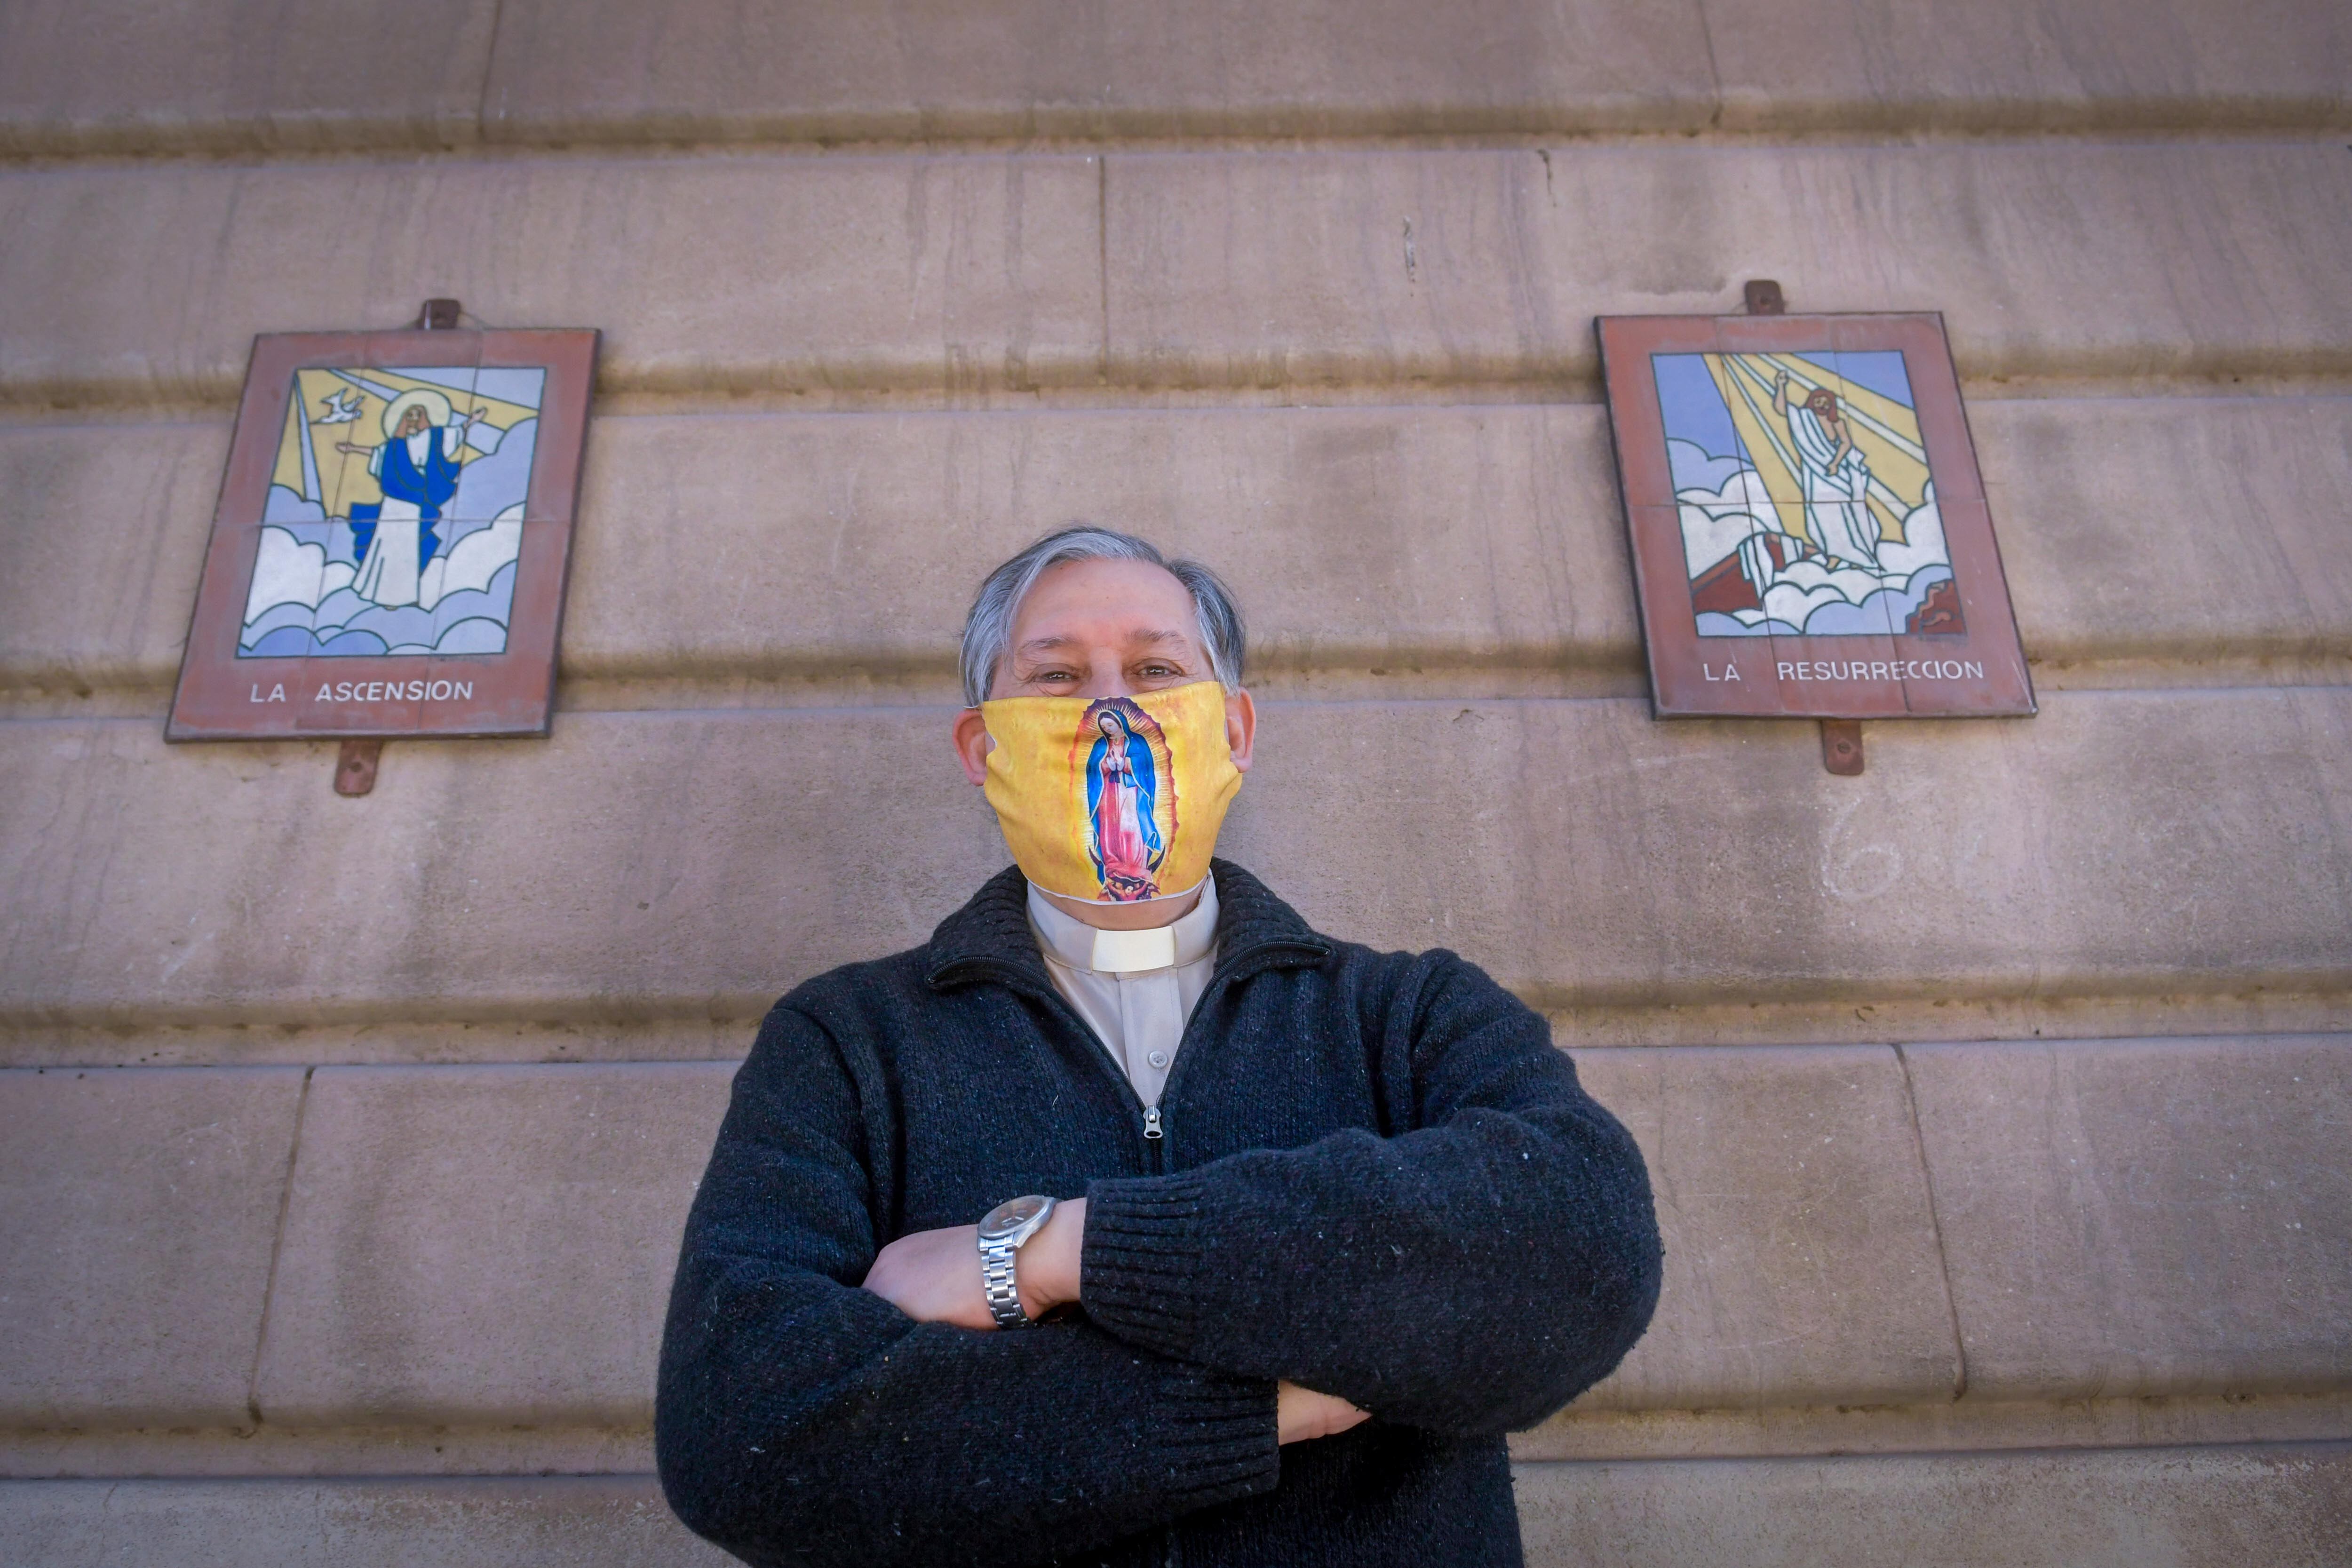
point(1158, 637)
point(1045, 645)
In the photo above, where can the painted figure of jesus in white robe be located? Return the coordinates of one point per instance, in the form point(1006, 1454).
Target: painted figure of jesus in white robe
point(1836, 477)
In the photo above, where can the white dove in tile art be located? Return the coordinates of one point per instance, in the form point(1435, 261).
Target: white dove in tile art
point(343, 407)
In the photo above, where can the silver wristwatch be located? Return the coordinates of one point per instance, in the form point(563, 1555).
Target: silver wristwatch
point(1008, 1225)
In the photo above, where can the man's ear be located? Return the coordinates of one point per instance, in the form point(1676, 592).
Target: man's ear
point(972, 745)
point(1240, 728)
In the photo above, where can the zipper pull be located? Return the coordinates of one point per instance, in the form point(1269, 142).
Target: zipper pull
point(1151, 1123)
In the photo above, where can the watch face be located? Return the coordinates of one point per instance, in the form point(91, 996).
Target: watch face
point(1008, 1217)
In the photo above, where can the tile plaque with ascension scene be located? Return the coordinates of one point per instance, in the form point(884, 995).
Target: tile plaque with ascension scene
point(1809, 532)
point(393, 539)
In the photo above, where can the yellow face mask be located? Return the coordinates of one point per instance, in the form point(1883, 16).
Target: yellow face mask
point(1114, 799)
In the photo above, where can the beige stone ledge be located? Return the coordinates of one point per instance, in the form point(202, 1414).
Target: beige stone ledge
point(2210, 1507)
point(636, 868)
point(772, 274)
point(1857, 1019)
point(138, 1212)
point(1800, 1250)
point(400, 1292)
point(2192, 1508)
point(1854, 1020)
point(1942, 1427)
point(782, 559)
point(545, 1521)
point(1945, 1427)
point(189, 77)
point(264, 1450)
point(2143, 1216)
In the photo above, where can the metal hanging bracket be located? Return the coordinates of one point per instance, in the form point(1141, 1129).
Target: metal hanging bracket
point(356, 762)
point(355, 766)
point(1841, 738)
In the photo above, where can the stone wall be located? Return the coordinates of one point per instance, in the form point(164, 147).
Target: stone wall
point(1999, 1101)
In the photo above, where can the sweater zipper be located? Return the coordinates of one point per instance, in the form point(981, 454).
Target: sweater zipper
point(1240, 966)
point(1155, 1126)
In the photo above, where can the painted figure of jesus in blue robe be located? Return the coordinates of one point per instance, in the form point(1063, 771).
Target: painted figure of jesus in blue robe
point(416, 467)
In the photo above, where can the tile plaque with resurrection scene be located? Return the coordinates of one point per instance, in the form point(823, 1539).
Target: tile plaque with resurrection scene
point(1809, 533)
point(393, 533)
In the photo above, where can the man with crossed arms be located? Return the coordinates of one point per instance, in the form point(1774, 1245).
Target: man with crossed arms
point(1282, 1235)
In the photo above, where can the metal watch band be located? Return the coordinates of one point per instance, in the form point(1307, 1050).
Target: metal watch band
point(1003, 1292)
point(1001, 1234)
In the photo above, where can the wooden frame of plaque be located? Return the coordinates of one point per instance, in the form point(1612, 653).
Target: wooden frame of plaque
point(390, 548)
point(1810, 535)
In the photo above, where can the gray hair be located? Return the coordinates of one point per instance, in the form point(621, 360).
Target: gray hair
point(988, 630)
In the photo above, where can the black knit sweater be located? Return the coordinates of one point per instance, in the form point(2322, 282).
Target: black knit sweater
point(1378, 1179)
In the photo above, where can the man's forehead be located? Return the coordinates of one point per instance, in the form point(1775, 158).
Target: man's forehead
point(1145, 635)
point(1137, 599)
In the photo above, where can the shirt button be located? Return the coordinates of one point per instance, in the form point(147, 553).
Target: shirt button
point(1158, 1059)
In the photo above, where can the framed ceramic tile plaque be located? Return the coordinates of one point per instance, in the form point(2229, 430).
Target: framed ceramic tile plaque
point(389, 553)
point(1809, 532)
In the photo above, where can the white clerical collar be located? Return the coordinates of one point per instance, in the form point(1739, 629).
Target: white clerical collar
point(1074, 944)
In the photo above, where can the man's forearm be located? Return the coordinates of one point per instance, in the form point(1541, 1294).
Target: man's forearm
point(934, 1277)
point(825, 1434)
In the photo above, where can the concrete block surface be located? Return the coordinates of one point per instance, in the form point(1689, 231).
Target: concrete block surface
point(138, 1209)
point(670, 864)
point(985, 275)
point(98, 574)
point(1950, 65)
point(969, 273)
point(1800, 1251)
point(2145, 1217)
point(2117, 516)
point(2288, 1504)
point(485, 1243)
point(854, 543)
point(757, 68)
point(545, 1521)
point(154, 75)
point(1329, 268)
point(1465, 545)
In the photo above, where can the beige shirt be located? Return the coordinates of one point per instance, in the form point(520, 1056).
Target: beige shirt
point(1134, 989)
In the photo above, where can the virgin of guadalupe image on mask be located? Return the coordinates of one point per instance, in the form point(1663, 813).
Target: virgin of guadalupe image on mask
point(395, 514)
point(1806, 504)
point(1130, 797)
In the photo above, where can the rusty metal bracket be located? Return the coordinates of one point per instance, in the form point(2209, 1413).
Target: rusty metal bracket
point(1841, 738)
point(439, 316)
point(1841, 746)
point(355, 766)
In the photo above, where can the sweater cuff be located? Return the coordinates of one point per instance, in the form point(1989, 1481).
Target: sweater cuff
point(1139, 1261)
point(1220, 1442)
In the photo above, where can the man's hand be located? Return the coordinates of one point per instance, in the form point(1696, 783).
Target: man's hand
point(1301, 1414)
point(934, 1276)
